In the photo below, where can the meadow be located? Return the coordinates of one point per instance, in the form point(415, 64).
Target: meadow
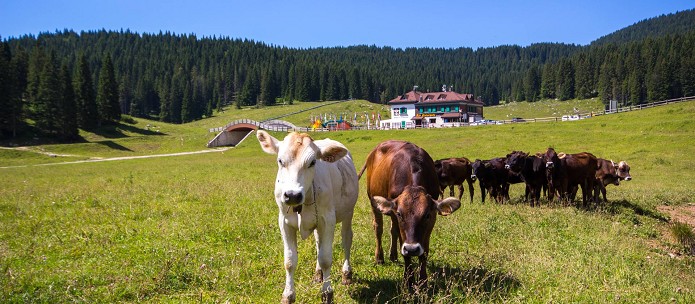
point(203, 228)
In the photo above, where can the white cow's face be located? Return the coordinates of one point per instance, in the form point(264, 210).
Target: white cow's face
point(297, 159)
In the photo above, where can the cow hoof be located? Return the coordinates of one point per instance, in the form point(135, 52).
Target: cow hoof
point(327, 297)
point(288, 299)
point(318, 276)
point(393, 257)
point(347, 278)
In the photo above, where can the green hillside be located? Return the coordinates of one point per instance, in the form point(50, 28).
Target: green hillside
point(540, 109)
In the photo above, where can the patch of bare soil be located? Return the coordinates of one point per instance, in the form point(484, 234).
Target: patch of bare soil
point(667, 243)
point(684, 214)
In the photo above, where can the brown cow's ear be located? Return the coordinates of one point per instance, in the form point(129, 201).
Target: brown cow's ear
point(269, 144)
point(448, 206)
point(384, 205)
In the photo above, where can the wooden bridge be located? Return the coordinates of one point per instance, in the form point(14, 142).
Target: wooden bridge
point(236, 131)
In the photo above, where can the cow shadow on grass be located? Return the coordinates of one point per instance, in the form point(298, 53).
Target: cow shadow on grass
point(445, 283)
point(614, 207)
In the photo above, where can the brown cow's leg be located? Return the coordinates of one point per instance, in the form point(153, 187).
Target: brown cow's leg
point(422, 277)
point(408, 273)
point(395, 239)
point(460, 191)
point(378, 223)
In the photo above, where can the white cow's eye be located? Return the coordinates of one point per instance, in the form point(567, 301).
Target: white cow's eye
point(281, 163)
point(313, 162)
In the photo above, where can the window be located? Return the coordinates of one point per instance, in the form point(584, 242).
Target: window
point(404, 111)
point(420, 110)
point(448, 109)
point(441, 97)
point(456, 108)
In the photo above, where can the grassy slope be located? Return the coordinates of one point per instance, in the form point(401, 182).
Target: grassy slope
point(540, 109)
point(204, 226)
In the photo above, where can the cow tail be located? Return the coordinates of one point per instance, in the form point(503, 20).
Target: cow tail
point(364, 167)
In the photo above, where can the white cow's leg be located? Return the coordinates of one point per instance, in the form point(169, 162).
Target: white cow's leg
point(346, 240)
point(289, 241)
point(325, 259)
point(318, 274)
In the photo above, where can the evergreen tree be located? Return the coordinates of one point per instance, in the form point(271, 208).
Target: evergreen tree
point(85, 100)
point(48, 98)
point(532, 84)
point(125, 94)
point(187, 104)
point(67, 121)
point(565, 80)
point(548, 83)
point(107, 93)
point(10, 104)
point(138, 101)
point(583, 81)
point(165, 103)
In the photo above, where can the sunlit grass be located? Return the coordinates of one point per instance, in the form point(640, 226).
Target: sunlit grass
point(203, 228)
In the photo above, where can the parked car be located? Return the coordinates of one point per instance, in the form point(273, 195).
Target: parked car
point(518, 119)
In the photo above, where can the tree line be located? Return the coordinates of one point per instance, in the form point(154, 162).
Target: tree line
point(64, 79)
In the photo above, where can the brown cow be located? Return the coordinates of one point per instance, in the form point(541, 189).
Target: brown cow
point(453, 172)
point(608, 173)
point(402, 183)
point(580, 170)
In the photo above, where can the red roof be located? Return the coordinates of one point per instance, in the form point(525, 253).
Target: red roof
point(434, 97)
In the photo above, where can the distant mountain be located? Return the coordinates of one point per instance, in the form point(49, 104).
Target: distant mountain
point(676, 23)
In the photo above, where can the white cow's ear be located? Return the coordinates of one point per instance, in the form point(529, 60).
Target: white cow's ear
point(269, 144)
point(447, 206)
point(333, 152)
point(384, 205)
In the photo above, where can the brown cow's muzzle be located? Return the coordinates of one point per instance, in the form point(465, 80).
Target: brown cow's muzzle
point(412, 249)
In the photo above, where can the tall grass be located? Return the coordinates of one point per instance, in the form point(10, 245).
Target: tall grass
point(203, 228)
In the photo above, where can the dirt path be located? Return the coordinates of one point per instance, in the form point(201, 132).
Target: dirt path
point(92, 160)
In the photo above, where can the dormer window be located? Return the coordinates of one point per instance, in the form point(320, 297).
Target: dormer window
point(429, 97)
point(441, 97)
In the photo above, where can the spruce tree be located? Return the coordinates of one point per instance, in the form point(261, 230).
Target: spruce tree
point(107, 93)
point(85, 99)
point(48, 99)
point(7, 82)
point(67, 128)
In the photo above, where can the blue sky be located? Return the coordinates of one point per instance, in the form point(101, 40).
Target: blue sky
point(307, 23)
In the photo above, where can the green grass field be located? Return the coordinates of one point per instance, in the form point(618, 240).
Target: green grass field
point(203, 228)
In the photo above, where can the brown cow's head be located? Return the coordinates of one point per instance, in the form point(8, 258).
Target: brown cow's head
point(551, 158)
point(516, 161)
point(623, 171)
point(298, 155)
point(416, 212)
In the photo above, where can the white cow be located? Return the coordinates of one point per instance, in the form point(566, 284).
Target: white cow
point(316, 187)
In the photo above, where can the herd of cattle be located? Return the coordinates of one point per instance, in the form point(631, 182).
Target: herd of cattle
point(550, 172)
point(317, 187)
